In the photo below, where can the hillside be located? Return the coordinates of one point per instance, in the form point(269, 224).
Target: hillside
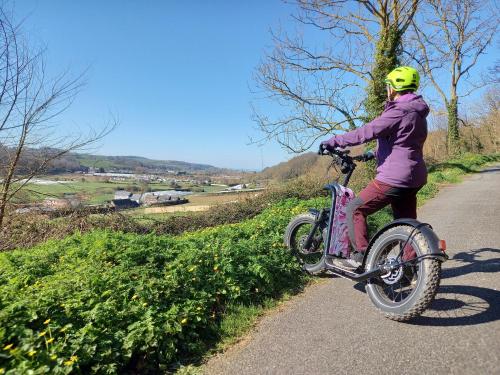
point(138, 162)
point(309, 164)
point(74, 162)
point(160, 299)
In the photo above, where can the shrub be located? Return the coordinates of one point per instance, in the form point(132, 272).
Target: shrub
point(105, 302)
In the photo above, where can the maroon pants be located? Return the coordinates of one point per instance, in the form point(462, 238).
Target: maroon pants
point(372, 198)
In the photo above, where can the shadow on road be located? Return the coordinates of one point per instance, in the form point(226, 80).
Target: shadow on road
point(460, 305)
point(490, 170)
point(472, 264)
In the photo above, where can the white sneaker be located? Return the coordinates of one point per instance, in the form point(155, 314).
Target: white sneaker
point(345, 264)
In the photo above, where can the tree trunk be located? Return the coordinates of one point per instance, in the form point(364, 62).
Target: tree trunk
point(453, 138)
point(386, 59)
point(2, 213)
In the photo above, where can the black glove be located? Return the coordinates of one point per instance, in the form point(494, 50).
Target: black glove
point(368, 155)
point(325, 146)
point(322, 148)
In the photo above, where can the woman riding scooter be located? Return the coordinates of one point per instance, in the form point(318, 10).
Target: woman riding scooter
point(400, 132)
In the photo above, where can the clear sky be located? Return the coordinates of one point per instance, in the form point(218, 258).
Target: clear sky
point(176, 73)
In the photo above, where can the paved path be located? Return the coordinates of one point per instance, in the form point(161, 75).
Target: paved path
point(333, 328)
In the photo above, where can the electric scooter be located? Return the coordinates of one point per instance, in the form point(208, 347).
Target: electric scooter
point(400, 288)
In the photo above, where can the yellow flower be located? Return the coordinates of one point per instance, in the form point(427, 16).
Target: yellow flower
point(46, 322)
point(63, 329)
point(2, 371)
point(50, 340)
point(7, 347)
point(42, 334)
point(31, 353)
point(71, 360)
point(184, 321)
point(53, 357)
point(134, 296)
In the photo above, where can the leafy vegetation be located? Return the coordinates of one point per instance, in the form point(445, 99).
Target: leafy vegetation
point(107, 302)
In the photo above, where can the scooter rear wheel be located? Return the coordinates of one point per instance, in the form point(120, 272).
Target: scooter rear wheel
point(408, 290)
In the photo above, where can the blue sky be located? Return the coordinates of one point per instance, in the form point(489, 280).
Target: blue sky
point(176, 73)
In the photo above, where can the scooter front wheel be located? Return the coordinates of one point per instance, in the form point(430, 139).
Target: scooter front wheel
point(296, 235)
point(407, 291)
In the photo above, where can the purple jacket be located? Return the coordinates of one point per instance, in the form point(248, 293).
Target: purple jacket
point(400, 131)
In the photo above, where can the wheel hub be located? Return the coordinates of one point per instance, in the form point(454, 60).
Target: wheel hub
point(394, 274)
point(302, 242)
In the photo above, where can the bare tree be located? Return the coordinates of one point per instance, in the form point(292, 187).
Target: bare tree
point(335, 86)
point(30, 138)
point(451, 36)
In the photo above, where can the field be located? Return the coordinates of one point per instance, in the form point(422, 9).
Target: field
point(197, 202)
point(92, 190)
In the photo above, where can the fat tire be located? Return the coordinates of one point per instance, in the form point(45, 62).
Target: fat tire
point(305, 218)
point(430, 277)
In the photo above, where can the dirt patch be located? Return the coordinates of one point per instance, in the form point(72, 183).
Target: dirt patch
point(176, 208)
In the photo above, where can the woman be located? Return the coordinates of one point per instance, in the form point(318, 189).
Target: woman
point(400, 132)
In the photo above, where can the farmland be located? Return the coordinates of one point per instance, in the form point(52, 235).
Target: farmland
point(92, 190)
point(75, 190)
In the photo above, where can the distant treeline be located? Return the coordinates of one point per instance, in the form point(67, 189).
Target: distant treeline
point(74, 162)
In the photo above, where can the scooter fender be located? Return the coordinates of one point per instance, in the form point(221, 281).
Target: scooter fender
point(424, 228)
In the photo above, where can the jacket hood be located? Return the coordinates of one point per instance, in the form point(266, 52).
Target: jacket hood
point(412, 102)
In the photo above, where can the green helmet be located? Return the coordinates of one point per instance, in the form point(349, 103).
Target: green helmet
point(403, 78)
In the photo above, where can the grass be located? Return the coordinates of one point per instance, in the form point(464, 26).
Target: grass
point(237, 322)
point(212, 189)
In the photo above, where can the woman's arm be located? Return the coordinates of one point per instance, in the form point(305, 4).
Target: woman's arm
point(383, 125)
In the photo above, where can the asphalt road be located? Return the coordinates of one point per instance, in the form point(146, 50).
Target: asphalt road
point(332, 328)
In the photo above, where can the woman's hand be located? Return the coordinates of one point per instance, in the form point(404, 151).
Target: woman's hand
point(327, 145)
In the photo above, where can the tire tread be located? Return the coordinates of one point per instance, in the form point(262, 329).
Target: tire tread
point(432, 276)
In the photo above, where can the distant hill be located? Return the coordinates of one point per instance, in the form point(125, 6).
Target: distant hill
point(74, 162)
point(305, 164)
point(136, 163)
point(309, 164)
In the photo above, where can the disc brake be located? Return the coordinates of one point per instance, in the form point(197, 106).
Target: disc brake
point(396, 273)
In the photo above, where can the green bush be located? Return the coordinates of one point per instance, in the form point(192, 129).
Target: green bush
point(106, 302)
